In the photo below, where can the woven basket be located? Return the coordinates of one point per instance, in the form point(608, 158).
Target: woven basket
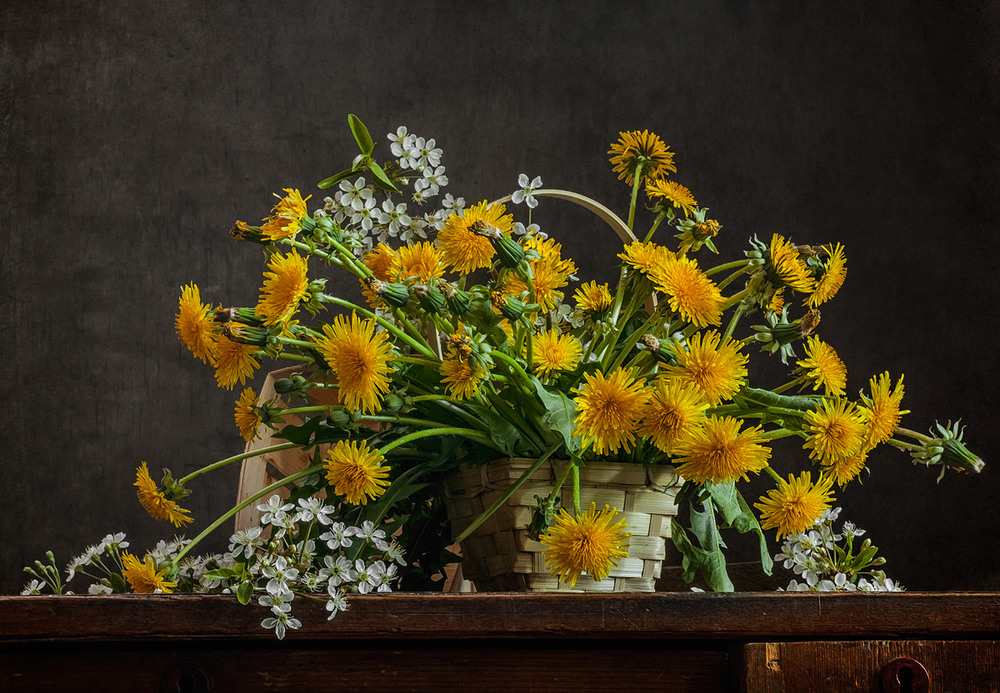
point(500, 556)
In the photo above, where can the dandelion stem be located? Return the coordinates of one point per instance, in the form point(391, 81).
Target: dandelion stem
point(236, 458)
point(498, 503)
point(239, 506)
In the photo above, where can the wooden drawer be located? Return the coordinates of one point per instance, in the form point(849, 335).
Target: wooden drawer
point(959, 666)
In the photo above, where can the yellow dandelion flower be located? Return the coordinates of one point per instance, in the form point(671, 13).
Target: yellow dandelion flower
point(672, 192)
point(247, 415)
point(645, 257)
point(836, 430)
point(642, 151)
point(717, 367)
point(881, 411)
point(194, 324)
point(796, 504)
point(285, 285)
point(359, 357)
point(777, 301)
point(593, 544)
point(608, 410)
point(287, 216)
point(689, 291)
point(675, 409)
point(593, 297)
point(356, 471)
point(235, 363)
point(555, 351)
point(380, 260)
point(823, 367)
point(550, 272)
point(833, 278)
point(421, 261)
point(143, 577)
point(155, 502)
point(465, 251)
point(843, 471)
point(719, 451)
point(461, 376)
point(788, 265)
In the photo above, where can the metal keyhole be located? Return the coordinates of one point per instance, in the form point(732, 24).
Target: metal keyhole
point(905, 675)
point(186, 677)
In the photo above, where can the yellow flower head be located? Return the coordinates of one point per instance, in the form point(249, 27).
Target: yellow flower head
point(608, 410)
point(554, 351)
point(143, 577)
point(380, 260)
point(194, 324)
point(235, 363)
point(836, 430)
point(645, 257)
point(420, 261)
point(833, 277)
point(287, 216)
point(642, 151)
point(789, 267)
point(356, 471)
point(247, 415)
point(717, 367)
point(675, 409)
point(155, 502)
point(823, 367)
point(285, 285)
point(796, 504)
point(593, 297)
point(360, 358)
point(689, 291)
point(881, 412)
point(591, 544)
point(465, 251)
point(461, 376)
point(550, 272)
point(843, 471)
point(719, 451)
point(675, 193)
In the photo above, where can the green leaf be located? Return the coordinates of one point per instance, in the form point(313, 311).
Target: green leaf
point(220, 574)
point(118, 583)
point(711, 559)
point(736, 514)
point(559, 412)
point(334, 179)
point(504, 433)
point(361, 136)
point(381, 179)
point(244, 593)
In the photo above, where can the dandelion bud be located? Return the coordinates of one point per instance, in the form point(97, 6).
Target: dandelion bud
point(284, 386)
point(243, 316)
point(339, 418)
point(459, 302)
point(960, 458)
point(392, 403)
point(430, 298)
point(245, 334)
point(242, 231)
point(509, 251)
point(509, 307)
point(394, 294)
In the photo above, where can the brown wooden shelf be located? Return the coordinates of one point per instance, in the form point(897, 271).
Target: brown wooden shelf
point(665, 641)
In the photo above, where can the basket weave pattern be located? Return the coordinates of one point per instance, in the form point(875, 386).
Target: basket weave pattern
point(500, 556)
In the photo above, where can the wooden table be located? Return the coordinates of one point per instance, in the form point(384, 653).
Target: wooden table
point(751, 642)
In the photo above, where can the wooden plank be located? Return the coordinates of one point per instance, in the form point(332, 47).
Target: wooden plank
point(835, 667)
point(486, 666)
point(742, 616)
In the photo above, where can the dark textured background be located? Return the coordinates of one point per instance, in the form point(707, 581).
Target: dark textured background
point(134, 134)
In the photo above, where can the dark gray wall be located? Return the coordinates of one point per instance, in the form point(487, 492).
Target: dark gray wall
point(132, 135)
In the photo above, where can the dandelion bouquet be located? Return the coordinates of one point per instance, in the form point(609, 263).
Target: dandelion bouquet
point(470, 338)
